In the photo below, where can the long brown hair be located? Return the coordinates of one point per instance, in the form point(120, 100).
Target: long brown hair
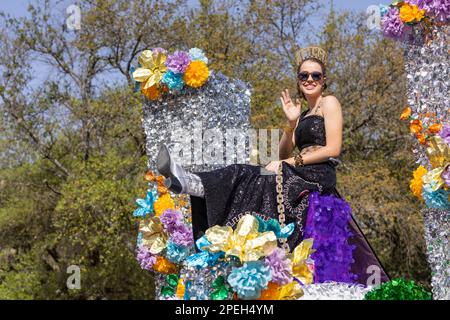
point(324, 72)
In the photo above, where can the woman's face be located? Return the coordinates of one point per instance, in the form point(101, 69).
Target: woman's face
point(311, 87)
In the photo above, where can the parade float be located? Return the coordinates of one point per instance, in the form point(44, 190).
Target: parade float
point(194, 110)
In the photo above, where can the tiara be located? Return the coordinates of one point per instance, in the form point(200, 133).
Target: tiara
point(311, 52)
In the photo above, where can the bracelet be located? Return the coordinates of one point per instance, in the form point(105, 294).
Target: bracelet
point(288, 129)
point(298, 160)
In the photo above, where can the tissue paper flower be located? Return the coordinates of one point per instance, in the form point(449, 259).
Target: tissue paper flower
point(436, 199)
point(411, 13)
point(383, 9)
point(153, 235)
point(162, 265)
point(250, 279)
point(196, 74)
point(152, 93)
point(145, 258)
point(174, 81)
point(145, 206)
point(150, 72)
point(415, 126)
point(406, 113)
point(437, 9)
point(392, 25)
point(170, 218)
point(446, 176)
point(176, 253)
point(178, 61)
point(163, 203)
point(445, 134)
point(182, 235)
point(416, 184)
point(280, 266)
point(197, 54)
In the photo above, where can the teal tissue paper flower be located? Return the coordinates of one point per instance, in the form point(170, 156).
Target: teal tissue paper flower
point(437, 199)
point(176, 253)
point(250, 279)
point(145, 206)
point(174, 81)
point(204, 259)
point(383, 9)
point(137, 85)
point(274, 225)
point(139, 239)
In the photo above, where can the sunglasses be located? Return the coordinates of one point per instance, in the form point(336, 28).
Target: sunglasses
point(304, 76)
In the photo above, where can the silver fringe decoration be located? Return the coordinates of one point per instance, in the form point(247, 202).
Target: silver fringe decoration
point(427, 67)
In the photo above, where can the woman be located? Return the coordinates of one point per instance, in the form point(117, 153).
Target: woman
point(305, 185)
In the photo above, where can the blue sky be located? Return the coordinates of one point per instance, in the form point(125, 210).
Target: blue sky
point(19, 7)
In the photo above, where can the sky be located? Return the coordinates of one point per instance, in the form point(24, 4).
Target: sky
point(19, 7)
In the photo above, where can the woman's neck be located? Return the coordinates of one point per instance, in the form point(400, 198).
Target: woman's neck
point(313, 102)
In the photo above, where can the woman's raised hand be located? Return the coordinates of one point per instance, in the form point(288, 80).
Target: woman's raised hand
point(291, 110)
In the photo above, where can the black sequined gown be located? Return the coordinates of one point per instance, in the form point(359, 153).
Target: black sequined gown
point(236, 190)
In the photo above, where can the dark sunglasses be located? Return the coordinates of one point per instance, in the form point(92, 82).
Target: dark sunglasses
point(304, 76)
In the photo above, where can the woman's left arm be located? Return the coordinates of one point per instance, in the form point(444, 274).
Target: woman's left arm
point(334, 122)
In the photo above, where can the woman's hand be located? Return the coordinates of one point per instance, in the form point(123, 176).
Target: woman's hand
point(291, 110)
point(273, 166)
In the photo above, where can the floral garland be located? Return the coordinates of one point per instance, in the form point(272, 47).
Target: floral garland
point(159, 72)
point(251, 264)
point(398, 289)
point(399, 18)
point(244, 263)
point(431, 185)
point(165, 237)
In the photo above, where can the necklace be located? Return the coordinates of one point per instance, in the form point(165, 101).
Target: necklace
point(315, 108)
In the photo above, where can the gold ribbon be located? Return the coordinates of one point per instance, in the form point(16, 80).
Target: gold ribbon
point(434, 178)
point(299, 256)
point(153, 235)
point(291, 291)
point(152, 68)
point(439, 152)
point(245, 242)
point(439, 155)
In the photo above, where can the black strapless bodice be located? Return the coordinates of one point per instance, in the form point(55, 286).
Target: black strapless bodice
point(310, 131)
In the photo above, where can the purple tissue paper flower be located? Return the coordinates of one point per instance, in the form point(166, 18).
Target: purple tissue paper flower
point(422, 4)
point(182, 235)
point(445, 134)
point(145, 258)
point(159, 50)
point(280, 266)
point(178, 61)
point(392, 25)
point(440, 9)
point(446, 176)
point(170, 219)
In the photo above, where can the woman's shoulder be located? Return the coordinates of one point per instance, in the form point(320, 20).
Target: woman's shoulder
point(331, 103)
point(330, 99)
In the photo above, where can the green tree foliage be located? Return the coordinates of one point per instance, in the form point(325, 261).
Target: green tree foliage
point(72, 153)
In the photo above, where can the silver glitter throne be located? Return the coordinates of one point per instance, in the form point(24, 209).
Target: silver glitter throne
point(204, 128)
